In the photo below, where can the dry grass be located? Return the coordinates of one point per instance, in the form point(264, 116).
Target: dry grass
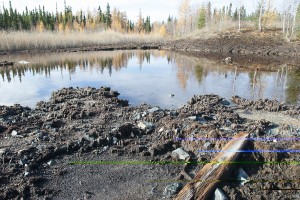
point(213, 29)
point(17, 41)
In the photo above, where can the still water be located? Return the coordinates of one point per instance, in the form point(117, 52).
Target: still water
point(140, 76)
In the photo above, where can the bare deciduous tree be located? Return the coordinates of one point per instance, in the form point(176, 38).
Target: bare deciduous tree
point(184, 12)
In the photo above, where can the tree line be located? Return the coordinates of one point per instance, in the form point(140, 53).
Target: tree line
point(264, 17)
point(41, 20)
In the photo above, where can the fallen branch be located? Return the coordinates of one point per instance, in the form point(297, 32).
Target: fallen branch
point(205, 181)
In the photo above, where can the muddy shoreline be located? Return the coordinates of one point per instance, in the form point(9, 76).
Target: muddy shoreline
point(244, 48)
point(89, 124)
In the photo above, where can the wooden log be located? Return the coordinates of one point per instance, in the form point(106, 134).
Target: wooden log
point(6, 63)
point(207, 178)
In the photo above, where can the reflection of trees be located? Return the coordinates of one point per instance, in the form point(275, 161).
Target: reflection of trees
point(199, 72)
point(184, 68)
point(69, 62)
point(257, 85)
point(293, 86)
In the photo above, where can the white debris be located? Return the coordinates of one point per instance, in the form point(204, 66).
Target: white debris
point(23, 62)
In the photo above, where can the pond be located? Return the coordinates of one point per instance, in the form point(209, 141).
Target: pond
point(149, 76)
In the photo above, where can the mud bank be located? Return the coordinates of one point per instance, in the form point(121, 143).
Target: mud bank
point(42, 148)
point(244, 48)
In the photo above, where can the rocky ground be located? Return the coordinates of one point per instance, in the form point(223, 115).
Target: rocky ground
point(50, 152)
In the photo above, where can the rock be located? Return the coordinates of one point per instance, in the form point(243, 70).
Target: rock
point(213, 134)
point(228, 60)
point(173, 113)
point(115, 140)
point(180, 153)
point(51, 162)
point(145, 125)
point(42, 136)
point(225, 102)
point(14, 133)
point(125, 130)
point(161, 130)
point(2, 151)
point(136, 116)
point(23, 162)
point(89, 137)
point(242, 176)
point(41, 147)
point(172, 189)
point(207, 145)
point(219, 195)
point(194, 118)
point(154, 109)
point(153, 191)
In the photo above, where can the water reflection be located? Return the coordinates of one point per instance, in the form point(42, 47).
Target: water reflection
point(141, 76)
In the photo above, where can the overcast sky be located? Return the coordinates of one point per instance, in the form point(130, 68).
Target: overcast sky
point(157, 9)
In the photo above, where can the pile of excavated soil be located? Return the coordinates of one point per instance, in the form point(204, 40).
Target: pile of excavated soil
point(50, 152)
point(245, 48)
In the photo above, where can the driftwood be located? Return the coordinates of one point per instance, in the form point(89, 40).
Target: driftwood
point(6, 63)
point(207, 178)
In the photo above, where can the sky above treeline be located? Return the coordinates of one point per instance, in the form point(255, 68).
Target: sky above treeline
point(159, 10)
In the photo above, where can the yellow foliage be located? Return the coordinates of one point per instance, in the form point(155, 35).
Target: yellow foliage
point(41, 27)
point(162, 30)
point(93, 25)
point(270, 18)
point(60, 27)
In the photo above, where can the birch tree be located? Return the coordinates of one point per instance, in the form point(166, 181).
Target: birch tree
point(239, 13)
point(261, 7)
point(184, 12)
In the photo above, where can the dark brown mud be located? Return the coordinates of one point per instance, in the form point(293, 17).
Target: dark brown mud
point(248, 48)
point(50, 152)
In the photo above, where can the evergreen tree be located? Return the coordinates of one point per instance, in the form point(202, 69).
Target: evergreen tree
point(236, 15)
point(230, 10)
point(108, 17)
point(202, 18)
point(147, 25)
point(208, 17)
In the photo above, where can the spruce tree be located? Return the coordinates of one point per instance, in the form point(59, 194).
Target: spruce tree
point(108, 16)
point(202, 18)
point(147, 25)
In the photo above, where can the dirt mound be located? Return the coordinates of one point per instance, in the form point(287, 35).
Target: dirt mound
point(249, 48)
point(80, 125)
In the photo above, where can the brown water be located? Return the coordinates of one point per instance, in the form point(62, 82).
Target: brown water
point(140, 76)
